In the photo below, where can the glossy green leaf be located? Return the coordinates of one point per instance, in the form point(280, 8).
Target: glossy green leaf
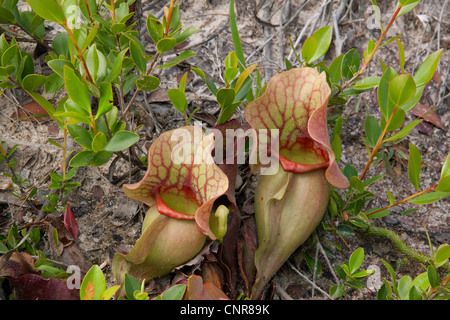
point(178, 99)
point(414, 293)
point(99, 142)
point(6, 17)
point(414, 165)
point(76, 89)
point(96, 277)
point(147, 83)
point(44, 104)
point(96, 63)
point(323, 39)
point(377, 215)
point(100, 158)
point(175, 292)
point(350, 63)
point(445, 171)
point(82, 159)
point(433, 276)
point(356, 260)
point(121, 141)
point(309, 48)
point(166, 44)
point(231, 60)
point(117, 28)
point(180, 58)
point(336, 69)
point(401, 55)
point(442, 255)
point(155, 29)
point(429, 197)
point(131, 284)
point(33, 81)
point(209, 83)
point(404, 284)
point(410, 5)
point(337, 291)
point(396, 122)
point(48, 9)
point(230, 74)
point(236, 38)
point(138, 57)
point(372, 129)
point(426, 71)
point(244, 76)
point(77, 131)
point(444, 184)
point(183, 36)
point(405, 131)
point(117, 67)
point(225, 97)
point(53, 83)
point(228, 112)
point(385, 103)
point(402, 89)
point(90, 37)
point(105, 103)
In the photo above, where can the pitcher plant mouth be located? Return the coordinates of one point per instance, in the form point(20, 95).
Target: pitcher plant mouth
point(177, 202)
point(295, 103)
point(183, 190)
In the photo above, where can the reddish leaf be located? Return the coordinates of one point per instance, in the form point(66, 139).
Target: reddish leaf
point(427, 114)
point(90, 291)
point(197, 290)
point(34, 287)
point(29, 110)
point(70, 222)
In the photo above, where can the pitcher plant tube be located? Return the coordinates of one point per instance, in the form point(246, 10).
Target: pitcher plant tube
point(180, 187)
point(290, 203)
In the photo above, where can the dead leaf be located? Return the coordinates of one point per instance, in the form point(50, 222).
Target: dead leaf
point(31, 111)
point(427, 114)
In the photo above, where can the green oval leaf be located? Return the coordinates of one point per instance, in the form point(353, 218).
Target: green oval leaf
point(147, 83)
point(350, 63)
point(426, 71)
point(445, 171)
point(76, 89)
point(309, 48)
point(175, 292)
point(372, 129)
point(385, 103)
point(166, 44)
point(402, 89)
point(444, 184)
point(121, 141)
point(48, 9)
point(33, 81)
point(442, 255)
point(323, 37)
point(96, 277)
point(414, 165)
point(178, 99)
point(225, 97)
point(356, 260)
point(82, 159)
point(429, 197)
point(99, 142)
